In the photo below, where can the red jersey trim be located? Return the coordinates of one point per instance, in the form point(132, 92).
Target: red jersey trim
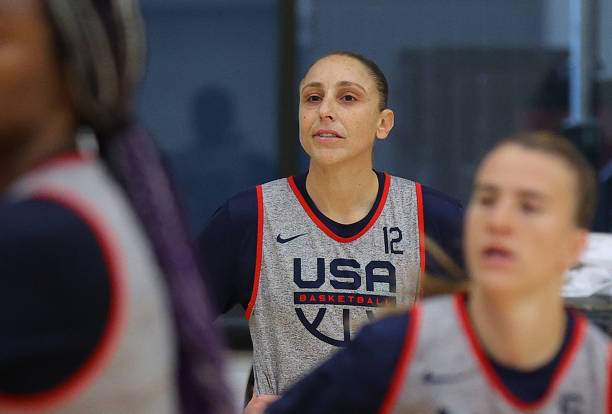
point(403, 365)
point(489, 372)
point(326, 229)
point(101, 356)
point(63, 159)
point(419, 194)
point(258, 255)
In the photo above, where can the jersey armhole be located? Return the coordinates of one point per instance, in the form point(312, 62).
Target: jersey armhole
point(79, 381)
point(258, 253)
point(403, 365)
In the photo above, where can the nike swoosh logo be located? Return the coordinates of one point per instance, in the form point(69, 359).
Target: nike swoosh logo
point(281, 240)
point(446, 378)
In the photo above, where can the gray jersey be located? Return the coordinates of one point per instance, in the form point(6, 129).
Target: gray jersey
point(314, 289)
point(133, 368)
point(445, 370)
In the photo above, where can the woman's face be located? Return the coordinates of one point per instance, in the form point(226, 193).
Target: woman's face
point(32, 88)
point(520, 231)
point(339, 112)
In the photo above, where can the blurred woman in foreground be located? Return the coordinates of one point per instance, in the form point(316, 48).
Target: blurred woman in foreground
point(90, 241)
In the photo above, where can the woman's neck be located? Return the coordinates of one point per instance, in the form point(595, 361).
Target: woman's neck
point(31, 149)
point(522, 333)
point(344, 194)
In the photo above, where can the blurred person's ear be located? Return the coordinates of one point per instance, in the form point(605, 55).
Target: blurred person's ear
point(576, 246)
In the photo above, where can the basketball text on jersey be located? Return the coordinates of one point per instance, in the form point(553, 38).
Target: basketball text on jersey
point(343, 275)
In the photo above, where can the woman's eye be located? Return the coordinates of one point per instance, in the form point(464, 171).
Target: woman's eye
point(313, 98)
point(349, 98)
point(486, 200)
point(529, 208)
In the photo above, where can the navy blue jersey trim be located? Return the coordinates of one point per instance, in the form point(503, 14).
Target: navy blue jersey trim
point(342, 230)
point(530, 386)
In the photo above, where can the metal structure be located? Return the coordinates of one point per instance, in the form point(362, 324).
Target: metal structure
point(581, 126)
point(287, 110)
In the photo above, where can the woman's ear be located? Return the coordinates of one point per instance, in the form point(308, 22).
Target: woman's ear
point(577, 246)
point(386, 120)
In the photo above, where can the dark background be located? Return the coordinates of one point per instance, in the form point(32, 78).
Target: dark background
point(220, 94)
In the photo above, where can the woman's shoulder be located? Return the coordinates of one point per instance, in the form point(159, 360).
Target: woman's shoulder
point(38, 222)
point(437, 200)
point(431, 195)
point(437, 204)
point(235, 219)
point(242, 207)
point(41, 236)
point(51, 257)
point(392, 328)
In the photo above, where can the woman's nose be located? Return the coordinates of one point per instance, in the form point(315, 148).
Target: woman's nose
point(326, 109)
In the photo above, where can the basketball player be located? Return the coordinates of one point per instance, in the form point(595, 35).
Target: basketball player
point(314, 256)
point(508, 346)
point(89, 243)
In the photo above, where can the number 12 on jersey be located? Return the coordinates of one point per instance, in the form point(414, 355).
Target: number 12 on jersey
point(392, 237)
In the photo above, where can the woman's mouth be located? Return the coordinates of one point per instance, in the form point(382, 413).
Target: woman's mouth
point(497, 256)
point(327, 136)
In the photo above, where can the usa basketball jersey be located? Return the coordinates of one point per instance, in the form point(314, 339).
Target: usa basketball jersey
point(443, 369)
point(132, 370)
point(313, 289)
